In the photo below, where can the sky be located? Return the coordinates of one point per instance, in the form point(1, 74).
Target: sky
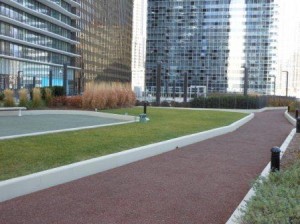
point(289, 46)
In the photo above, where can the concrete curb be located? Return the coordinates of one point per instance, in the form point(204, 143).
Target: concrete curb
point(38, 181)
point(291, 119)
point(237, 214)
point(226, 110)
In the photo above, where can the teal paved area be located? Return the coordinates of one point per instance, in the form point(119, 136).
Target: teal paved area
point(14, 125)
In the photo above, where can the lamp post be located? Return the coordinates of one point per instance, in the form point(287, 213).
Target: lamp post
point(206, 91)
point(286, 83)
point(273, 76)
point(19, 80)
point(158, 83)
point(246, 77)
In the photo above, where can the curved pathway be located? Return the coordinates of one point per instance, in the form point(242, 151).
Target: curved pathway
point(200, 183)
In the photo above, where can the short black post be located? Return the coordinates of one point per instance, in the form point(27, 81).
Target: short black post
point(174, 89)
point(33, 82)
point(275, 159)
point(185, 87)
point(298, 125)
point(65, 74)
point(289, 108)
point(158, 83)
point(296, 114)
point(145, 107)
point(19, 80)
point(50, 78)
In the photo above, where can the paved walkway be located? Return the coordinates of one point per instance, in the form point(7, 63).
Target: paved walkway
point(200, 183)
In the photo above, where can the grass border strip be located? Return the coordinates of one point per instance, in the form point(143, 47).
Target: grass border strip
point(38, 181)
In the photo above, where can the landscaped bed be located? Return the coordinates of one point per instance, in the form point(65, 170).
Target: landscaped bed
point(32, 154)
point(277, 198)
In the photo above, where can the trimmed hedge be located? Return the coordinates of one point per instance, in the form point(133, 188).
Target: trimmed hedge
point(240, 101)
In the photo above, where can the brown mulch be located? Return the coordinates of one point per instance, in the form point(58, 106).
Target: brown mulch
point(199, 183)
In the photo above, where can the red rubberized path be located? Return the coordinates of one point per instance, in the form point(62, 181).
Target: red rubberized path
point(200, 183)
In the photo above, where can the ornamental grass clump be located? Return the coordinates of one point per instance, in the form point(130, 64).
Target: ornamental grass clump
point(107, 96)
point(48, 96)
point(9, 98)
point(23, 97)
point(99, 96)
point(120, 95)
point(36, 98)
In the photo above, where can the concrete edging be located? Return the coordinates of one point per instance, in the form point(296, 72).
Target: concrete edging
point(226, 110)
point(38, 181)
point(265, 173)
point(290, 118)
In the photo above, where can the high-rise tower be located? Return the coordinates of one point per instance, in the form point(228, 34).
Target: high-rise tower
point(62, 42)
point(37, 38)
point(139, 45)
point(212, 43)
point(105, 39)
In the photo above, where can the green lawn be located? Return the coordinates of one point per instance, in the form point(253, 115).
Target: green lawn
point(27, 155)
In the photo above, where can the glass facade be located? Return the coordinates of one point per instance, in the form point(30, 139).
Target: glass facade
point(211, 42)
point(36, 39)
point(105, 39)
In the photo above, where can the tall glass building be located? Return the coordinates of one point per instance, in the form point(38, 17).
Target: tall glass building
point(37, 38)
point(214, 43)
point(63, 42)
point(105, 39)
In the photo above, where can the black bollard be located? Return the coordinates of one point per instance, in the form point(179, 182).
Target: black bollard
point(288, 108)
point(275, 159)
point(298, 125)
point(145, 107)
point(296, 114)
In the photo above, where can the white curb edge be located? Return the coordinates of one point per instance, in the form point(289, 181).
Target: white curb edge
point(290, 118)
point(237, 214)
point(38, 181)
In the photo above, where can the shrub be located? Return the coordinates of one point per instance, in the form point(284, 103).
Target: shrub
point(36, 98)
point(74, 101)
point(48, 96)
point(1, 96)
point(164, 104)
point(23, 97)
point(227, 101)
point(276, 199)
point(280, 101)
point(9, 98)
point(59, 101)
point(179, 104)
point(57, 91)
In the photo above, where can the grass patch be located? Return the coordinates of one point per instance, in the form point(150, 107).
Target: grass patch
point(32, 154)
point(277, 199)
